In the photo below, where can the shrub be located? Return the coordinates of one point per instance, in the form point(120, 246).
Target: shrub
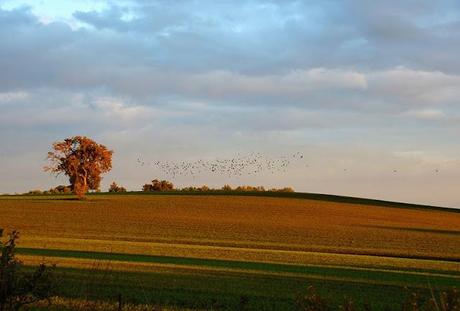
point(189, 189)
point(34, 192)
point(61, 189)
point(250, 188)
point(243, 188)
point(18, 289)
point(285, 189)
point(157, 185)
point(200, 189)
point(115, 188)
point(227, 188)
point(204, 188)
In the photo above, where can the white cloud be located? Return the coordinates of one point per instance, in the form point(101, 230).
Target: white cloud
point(7, 97)
point(116, 108)
point(426, 114)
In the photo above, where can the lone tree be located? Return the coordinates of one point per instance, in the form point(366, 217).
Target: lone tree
point(83, 160)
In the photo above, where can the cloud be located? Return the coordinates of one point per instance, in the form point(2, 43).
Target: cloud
point(297, 84)
point(53, 109)
point(116, 109)
point(426, 114)
point(8, 97)
point(417, 86)
point(188, 78)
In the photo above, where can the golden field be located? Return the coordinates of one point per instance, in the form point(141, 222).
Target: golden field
point(208, 251)
point(244, 228)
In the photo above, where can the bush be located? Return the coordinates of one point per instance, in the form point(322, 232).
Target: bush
point(34, 192)
point(250, 188)
point(115, 188)
point(18, 289)
point(61, 189)
point(285, 189)
point(204, 188)
point(227, 188)
point(157, 185)
point(188, 189)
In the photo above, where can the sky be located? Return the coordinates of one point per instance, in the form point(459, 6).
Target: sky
point(367, 91)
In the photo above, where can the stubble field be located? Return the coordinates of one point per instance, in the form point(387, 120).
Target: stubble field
point(212, 250)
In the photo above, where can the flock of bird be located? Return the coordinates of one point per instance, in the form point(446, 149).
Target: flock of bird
point(250, 164)
point(241, 165)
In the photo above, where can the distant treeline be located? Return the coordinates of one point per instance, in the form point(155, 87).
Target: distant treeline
point(61, 189)
point(164, 185)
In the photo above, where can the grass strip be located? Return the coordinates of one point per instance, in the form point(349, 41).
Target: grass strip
point(441, 278)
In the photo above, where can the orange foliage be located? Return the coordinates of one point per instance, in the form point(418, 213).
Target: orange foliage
point(115, 188)
point(158, 185)
point(83, 160)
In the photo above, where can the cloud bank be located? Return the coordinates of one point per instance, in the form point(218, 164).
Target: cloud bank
point(355, 82)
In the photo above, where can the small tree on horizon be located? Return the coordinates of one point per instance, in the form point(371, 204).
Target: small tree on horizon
point(115, 188)
point(158, 185)
point(227, 187)
point(82, 160)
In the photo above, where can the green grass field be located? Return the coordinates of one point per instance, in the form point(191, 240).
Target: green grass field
point(222, 251)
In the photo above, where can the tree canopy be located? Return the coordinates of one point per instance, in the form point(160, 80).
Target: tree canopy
point(82, 160)
point(158, 185)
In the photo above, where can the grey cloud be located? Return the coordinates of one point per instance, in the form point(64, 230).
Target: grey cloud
point(407, 32)
point(183, 79)
point(17, 18)
point(162, 37)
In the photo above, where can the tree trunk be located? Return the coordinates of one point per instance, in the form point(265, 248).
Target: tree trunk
point(81, 184)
